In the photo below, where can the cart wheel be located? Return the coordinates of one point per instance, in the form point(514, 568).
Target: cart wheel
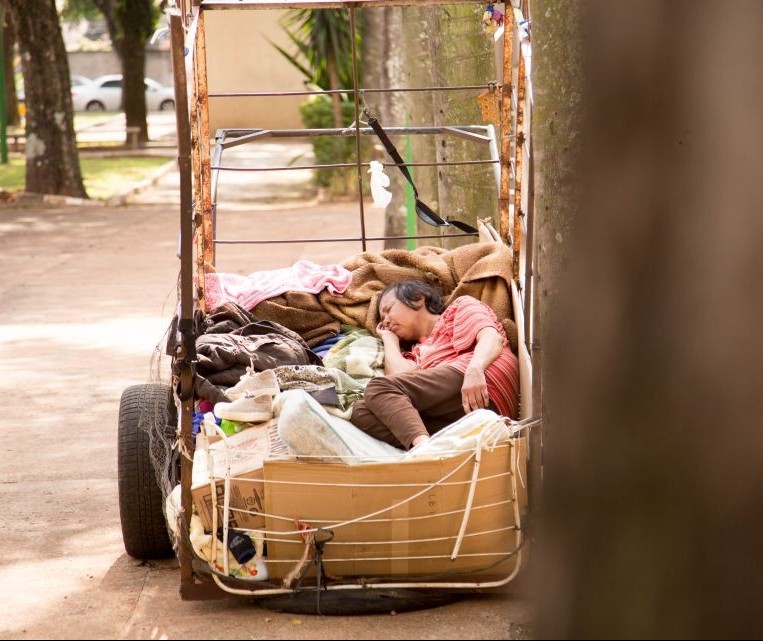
point(144, 410)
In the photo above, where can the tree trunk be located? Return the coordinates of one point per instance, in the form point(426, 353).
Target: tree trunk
point(134, 85)
point(52, 162)
point(137, 21)
point(382, 69)
point(9, 45)
point(461, 55)
point(416, 53)
point(417, 72)
point(653, 410)
point(130, 25)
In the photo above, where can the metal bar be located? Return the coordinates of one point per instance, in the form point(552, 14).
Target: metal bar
point(235, 142)
point(3, 111)
point(529, 247)
point(185, 315)
point(338, 165)
point(207, 255)
point(334, 240)
point(215, 172)
point(504, 194)
point(351, 131)
point(518, 161)
point(357, 127)
point(320, 4)
point(495, 157)
point(468, 135)
point(326, 92)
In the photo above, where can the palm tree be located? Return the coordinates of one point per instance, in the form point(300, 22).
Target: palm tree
point(324, 50)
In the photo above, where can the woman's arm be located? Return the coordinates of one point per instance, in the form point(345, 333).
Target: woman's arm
point(394, 361)
point(474, 390)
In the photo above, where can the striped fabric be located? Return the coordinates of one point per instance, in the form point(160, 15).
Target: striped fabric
point(453, 340)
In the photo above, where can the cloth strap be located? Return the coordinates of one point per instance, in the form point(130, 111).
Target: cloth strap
point(423, 211)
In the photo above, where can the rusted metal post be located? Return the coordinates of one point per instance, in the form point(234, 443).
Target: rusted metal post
point(185, 316)
point(504, 196)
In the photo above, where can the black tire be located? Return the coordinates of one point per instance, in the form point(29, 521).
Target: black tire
point(167, 105)
point(95, 105)
point(144, 528)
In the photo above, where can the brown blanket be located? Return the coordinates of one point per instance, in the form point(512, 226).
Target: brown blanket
point(301, 312)
point(482, 270)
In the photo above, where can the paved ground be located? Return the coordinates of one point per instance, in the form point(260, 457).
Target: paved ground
point(88, 292)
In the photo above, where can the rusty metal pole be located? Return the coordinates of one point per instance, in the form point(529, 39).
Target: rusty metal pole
point(186, 352)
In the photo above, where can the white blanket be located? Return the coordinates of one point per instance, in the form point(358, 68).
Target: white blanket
point(309, 430)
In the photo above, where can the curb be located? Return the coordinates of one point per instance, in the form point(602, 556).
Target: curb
point(55, 199)
point(119, 200)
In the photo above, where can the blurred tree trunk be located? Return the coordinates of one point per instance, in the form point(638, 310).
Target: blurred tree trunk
point(130, 24)
point(52, 162)
point(9, 46)
point(653, 486)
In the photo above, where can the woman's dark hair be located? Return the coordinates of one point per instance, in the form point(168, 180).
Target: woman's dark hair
point(411, 293)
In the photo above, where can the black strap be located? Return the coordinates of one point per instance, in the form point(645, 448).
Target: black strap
point(431, 217)
point(392, 151)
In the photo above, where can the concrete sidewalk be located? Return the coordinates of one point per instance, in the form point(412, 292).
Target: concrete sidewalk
point(241, 189)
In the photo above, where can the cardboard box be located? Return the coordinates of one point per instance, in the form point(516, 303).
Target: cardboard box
point(242, 456)
point(400, 519)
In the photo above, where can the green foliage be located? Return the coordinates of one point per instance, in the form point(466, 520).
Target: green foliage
point(144, 15)
point(323, 40)
point(78, 9)
point(323, 43)
point(317, 114)
point(136, 16)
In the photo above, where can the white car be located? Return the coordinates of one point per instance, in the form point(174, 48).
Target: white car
point(105, 94)
point(78, 80)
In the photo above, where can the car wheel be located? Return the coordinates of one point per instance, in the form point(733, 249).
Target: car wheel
point(147, 417)
point(167, 105)
point(95, 105)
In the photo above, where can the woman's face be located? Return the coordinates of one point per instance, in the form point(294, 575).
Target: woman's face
point(400, 319)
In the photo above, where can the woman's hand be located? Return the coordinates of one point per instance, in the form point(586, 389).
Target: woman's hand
point(389, 338)
point(474, 390)
point(394, 361)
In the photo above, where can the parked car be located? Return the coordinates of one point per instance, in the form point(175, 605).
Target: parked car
point(78, 80)
point(105, 94)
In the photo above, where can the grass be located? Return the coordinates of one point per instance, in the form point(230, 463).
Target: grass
point(103, 177)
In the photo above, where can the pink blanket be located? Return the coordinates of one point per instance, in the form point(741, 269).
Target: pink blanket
point(248, 291)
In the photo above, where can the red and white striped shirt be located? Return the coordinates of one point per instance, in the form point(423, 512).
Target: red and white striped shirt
point(452, 343)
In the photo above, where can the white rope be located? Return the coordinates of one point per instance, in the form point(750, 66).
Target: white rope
point(213, 494)
point(335, 543)
point(469, 498)
point(412, 557)
point(369, 517)
point(278, 517)
point(426, 488)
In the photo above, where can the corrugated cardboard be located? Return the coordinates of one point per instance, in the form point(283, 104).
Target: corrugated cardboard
point(398, 519)
point(244, 453)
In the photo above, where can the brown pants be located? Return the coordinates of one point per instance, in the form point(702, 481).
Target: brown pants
point(398, 408)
